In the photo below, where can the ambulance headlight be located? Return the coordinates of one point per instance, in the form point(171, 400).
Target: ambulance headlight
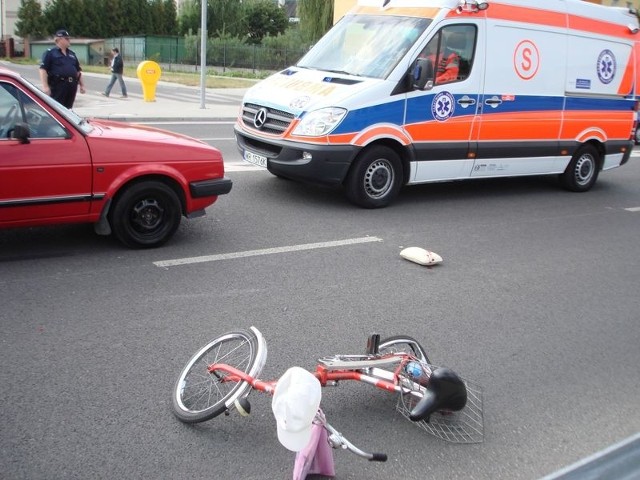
point(320, 122)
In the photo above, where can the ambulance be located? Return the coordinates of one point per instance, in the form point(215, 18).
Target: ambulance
point(404, 92)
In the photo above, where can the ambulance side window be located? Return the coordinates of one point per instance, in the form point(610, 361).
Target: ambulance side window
point(451, 52)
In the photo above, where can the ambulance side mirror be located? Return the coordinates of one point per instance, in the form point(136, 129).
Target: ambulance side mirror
point(423, 74)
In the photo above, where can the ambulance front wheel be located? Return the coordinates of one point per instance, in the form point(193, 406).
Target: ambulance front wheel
point(375, 177)
point(582, 171)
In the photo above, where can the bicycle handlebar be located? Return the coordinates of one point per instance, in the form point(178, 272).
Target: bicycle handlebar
point(336, 439)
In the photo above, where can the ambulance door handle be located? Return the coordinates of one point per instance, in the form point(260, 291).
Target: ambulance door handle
point(466, 101)
point(493, 102)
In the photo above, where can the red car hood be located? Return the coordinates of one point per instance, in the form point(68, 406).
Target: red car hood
point(125, 141)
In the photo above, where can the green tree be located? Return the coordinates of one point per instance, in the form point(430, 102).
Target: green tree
point(162, 15)
point(316, 17)
point(114, 18)
point(264, 18)
point(30, 23)
point(189, 18)
point(72, 15)
point(155, 17)
point(95, 19)
point(55, 16)
point(169, 18)
point(224, 18)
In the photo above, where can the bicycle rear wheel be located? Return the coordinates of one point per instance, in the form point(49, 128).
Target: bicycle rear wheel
point(199, 395)
point(406, 344)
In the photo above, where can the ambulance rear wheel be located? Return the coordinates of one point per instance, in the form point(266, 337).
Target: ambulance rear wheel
point(583, 170)
point(375, 177)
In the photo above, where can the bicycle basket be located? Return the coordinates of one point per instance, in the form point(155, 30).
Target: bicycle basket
point(464, 426)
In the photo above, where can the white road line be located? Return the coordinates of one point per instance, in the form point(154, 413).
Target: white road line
point(240, 167)
point(189, 122)
point(633, 209)
point(265, 251)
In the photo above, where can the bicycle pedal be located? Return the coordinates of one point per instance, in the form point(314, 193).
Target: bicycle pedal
point(243, 406)
point(373, 344)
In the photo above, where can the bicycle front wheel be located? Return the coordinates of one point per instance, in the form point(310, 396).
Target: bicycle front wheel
point(200, 395)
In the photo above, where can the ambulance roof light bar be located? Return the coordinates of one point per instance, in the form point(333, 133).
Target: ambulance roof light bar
point(472, 6)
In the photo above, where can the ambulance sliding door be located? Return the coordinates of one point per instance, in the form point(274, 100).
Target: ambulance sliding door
point(599, 86)
point(523, 99)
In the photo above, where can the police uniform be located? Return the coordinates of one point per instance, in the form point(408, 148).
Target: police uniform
point(63, 73)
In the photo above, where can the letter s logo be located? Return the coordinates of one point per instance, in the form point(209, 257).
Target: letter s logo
point(526, 60)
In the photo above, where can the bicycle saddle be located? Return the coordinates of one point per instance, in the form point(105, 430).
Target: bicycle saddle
point(445, 391)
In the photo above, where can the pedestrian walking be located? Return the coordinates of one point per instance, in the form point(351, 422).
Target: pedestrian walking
point(60, 72)
point(117, 67)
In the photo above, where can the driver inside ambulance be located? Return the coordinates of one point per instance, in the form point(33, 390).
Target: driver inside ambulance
point(447, 64)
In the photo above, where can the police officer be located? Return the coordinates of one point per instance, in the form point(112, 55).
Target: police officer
point(60, 71)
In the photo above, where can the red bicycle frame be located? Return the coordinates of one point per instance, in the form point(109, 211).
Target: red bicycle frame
point(325, 375)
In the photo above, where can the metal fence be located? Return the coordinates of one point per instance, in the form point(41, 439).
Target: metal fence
point(178, 54)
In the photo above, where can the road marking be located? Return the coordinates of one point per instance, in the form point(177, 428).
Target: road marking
point(240, 167)
point(265, 251)
point(189, 122)
point(633, 209)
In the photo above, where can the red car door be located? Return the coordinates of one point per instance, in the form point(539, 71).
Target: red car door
point(47, 179)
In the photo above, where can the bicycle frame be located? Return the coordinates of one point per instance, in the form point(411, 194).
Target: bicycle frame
point(329, 376)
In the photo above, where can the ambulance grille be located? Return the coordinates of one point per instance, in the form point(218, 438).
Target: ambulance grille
point(275, 121)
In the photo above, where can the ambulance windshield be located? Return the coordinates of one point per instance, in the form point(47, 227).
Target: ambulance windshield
point(365, 45)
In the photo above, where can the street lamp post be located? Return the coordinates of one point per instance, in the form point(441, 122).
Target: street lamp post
point(203, 51)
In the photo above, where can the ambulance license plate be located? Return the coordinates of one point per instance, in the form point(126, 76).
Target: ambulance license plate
point(255, 159)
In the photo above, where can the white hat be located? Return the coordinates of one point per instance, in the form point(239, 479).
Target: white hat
point(296, 400)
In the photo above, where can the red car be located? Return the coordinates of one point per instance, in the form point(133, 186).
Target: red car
point(133, 181)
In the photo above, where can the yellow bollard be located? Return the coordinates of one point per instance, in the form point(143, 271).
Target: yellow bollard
point(149, 74)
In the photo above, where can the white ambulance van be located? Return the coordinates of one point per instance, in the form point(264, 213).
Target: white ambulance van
point(403, 92)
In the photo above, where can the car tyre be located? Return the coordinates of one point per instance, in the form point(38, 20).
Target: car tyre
point(582, 172)
point(375, 178)
point(636, 136)
point(146, 214)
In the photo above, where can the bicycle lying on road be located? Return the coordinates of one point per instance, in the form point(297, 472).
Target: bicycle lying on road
point(222, 374)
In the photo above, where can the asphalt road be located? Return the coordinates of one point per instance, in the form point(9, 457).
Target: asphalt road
point(536, 301)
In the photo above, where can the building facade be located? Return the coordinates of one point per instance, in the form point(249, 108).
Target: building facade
point(8, 18)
